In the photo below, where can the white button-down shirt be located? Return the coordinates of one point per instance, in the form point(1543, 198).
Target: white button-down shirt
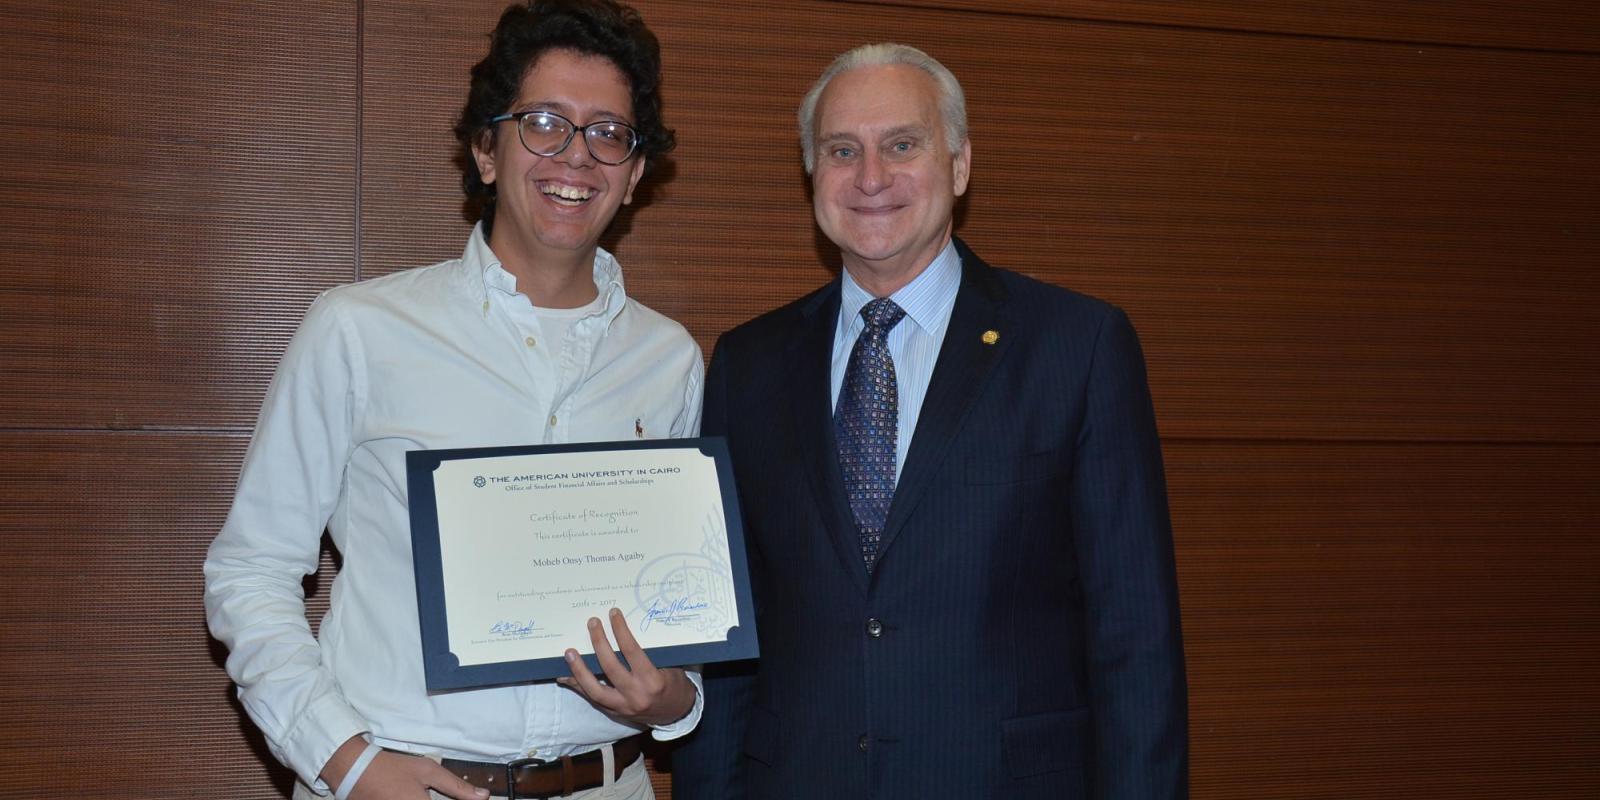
point(445, 356)
point(914, 343)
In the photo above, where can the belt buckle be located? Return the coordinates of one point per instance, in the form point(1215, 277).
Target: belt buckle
point(511, 773)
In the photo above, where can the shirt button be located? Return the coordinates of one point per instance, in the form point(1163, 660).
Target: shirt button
point(530, 344)
point(874, 628)
point(862, 743)
point(552, 420)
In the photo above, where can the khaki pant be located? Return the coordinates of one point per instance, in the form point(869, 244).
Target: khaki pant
point(632, 784)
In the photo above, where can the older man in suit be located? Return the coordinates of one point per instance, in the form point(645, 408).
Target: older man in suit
point(954, 500)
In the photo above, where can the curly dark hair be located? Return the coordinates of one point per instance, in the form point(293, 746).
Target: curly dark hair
point(526, 31)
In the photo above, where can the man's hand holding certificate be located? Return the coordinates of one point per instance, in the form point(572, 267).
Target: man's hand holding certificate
point(517, 550)
point(636, 690)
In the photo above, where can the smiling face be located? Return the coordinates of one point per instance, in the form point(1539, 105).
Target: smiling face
point(551, 210)
point(885, 181)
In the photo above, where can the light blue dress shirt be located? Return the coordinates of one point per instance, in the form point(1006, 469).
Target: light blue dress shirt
point(439, 357)
point(913, 344)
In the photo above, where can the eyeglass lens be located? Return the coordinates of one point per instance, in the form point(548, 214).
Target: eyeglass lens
point(548, 134)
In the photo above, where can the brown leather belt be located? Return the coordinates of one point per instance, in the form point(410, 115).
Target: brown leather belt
point(528, 778)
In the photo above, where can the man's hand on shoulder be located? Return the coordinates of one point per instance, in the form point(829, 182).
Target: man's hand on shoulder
point(638, 692)
point(396, 776)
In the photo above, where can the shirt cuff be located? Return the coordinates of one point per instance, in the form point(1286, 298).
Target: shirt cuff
point(329, 723)
point(666, 733)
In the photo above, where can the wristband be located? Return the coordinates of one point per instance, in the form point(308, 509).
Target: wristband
point(348, 784)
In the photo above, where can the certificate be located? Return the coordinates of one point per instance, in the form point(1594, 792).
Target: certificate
point(515, 548)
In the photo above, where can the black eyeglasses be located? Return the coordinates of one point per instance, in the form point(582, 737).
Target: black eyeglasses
point(545, 133)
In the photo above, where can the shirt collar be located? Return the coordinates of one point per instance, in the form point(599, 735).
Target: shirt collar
point(927, 299)
point(491, 277)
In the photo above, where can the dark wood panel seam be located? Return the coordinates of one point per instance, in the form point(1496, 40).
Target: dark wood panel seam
point(1170, 26)
point(245, 431)
point(361, 121)
point(143, 430)
point(1393, 441)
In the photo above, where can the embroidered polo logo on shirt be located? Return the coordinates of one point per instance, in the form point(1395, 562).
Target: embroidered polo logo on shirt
point(638, 427)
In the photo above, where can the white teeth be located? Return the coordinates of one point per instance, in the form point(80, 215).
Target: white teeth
point(565, 192)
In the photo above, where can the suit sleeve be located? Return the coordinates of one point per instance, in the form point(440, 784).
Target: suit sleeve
point(707, 763)
point(1123, 535)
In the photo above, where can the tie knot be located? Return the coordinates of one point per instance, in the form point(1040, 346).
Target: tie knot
point(882, 313)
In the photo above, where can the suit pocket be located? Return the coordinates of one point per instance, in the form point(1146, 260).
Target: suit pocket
point(761, 737)
point(1045, 743)
point(991, 470)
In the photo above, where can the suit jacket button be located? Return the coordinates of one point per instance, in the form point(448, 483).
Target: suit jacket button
point(874, 628)
point(862, 743)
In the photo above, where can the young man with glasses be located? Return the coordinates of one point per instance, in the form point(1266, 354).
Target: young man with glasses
point(529, 337)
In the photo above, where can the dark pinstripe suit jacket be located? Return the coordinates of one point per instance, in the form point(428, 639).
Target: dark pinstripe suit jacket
point(1019, 636)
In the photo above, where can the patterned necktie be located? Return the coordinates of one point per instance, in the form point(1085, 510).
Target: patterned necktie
point(865, 423)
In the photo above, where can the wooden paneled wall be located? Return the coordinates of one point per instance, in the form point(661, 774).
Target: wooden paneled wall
point(1360, 240)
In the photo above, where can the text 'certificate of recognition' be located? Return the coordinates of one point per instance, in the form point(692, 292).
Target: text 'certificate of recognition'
point(517, 547)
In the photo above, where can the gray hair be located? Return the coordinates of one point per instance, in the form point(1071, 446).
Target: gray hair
point(952, 101)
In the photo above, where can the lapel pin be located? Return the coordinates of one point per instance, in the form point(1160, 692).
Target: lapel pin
point(990, 337)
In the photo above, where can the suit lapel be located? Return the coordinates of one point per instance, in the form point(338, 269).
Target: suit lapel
point(965, 358)
point(810, 357)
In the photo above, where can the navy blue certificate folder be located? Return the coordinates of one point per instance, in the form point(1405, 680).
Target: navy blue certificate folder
point(535, 539)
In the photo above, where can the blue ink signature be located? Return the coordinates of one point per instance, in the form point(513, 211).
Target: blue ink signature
point(505, 628)
point(674, 612)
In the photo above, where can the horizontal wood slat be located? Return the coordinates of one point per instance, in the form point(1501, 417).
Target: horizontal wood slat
point(1317, 239)
point(1360, 619)
point(179, 185)
point(1379, 621)
point(1270, 210)
point(109, 682)
point(1539, 24)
